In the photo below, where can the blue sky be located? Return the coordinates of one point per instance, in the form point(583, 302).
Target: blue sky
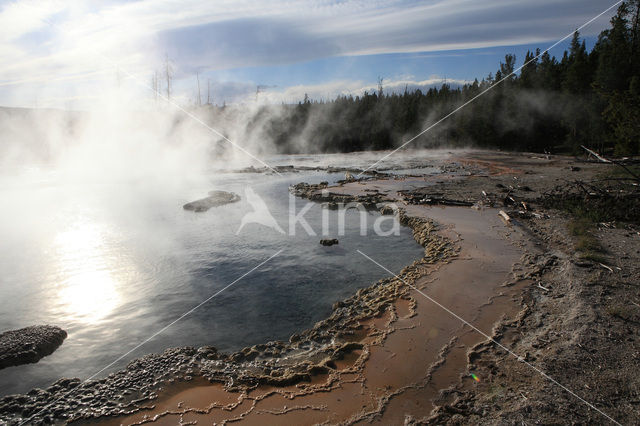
point(70, 53)
point(393, 68)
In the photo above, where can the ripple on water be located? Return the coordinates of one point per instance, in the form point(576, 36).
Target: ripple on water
point(114, 266)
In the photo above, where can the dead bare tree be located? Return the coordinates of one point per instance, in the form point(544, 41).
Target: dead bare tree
point(208, 91)
point(118, 77)
point(198, 81)
point(154, 85)
point(168, 73)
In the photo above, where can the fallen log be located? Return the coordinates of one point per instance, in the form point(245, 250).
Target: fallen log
point(606, 160)
point(596, 155)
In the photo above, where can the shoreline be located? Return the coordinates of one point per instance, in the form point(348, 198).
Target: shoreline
point(369, 358)
point(383, 334)
point(143, 378)
point(195, 403)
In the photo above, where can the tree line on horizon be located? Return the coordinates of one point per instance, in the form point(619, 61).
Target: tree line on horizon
point(589, 98)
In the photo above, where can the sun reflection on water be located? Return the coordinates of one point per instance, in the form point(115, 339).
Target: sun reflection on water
point(88, 288)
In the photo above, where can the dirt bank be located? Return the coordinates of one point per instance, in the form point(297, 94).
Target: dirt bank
point(579, 319)
point(525, 320)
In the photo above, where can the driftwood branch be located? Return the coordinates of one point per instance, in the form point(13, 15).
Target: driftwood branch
point(606, 160)
point(595, 154)
point(542, 287)
point(505, 216)
point(605, 267)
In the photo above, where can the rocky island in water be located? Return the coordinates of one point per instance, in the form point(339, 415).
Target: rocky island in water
point(29, 344)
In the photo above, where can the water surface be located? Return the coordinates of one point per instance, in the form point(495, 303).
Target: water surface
point(112, 262)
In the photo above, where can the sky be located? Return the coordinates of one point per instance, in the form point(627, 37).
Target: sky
point(70, 53)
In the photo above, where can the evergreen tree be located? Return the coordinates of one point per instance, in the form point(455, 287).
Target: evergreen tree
point(578, 76)
point(586, 98)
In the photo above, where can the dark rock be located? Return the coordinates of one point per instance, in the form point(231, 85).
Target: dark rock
point(388, 210)
point(329, 242)
point(288, 168)
point(215, 199)
point(29, 345)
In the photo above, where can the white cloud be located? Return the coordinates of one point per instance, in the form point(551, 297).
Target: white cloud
point(332, 89)
point(20, 18)
point(50, 42)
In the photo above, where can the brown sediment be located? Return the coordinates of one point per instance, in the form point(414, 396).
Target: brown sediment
point(312, 352)
point(390, 355)
point(493, 167)
point(560, 314)
point(408, 348)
